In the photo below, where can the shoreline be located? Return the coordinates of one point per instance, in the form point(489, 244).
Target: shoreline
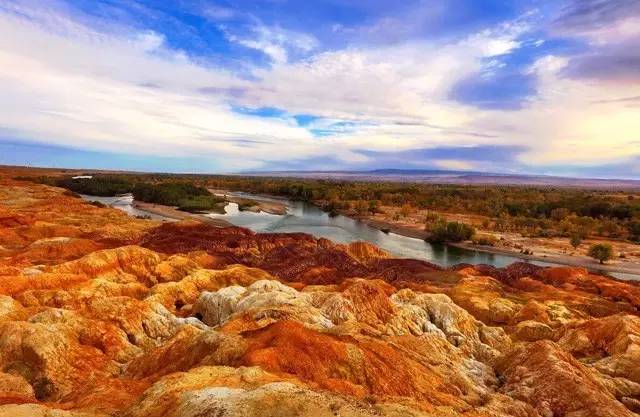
point(407, 231)
point(269, 207)
point(563, 260)
point(560, 260)
point(175, 214)
point(387, 227)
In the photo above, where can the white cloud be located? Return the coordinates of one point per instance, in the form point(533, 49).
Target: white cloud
point(126, 94)
point(571, 122)
point(125, 91)
point(274, 42)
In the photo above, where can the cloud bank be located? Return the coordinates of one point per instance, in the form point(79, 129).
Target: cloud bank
point(283, 97)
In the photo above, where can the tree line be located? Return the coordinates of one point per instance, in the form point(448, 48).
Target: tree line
point(530, 211)
point(184, 195)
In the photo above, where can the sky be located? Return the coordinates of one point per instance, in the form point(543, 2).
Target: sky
point(522, 86)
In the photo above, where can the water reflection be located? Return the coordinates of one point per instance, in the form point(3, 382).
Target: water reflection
point(307, 218)
point(125, 203)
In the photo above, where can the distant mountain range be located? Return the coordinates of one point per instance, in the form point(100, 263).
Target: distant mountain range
point(435, 176)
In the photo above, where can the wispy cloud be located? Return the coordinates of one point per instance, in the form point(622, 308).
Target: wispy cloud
point(275, 42)
point(612, 28)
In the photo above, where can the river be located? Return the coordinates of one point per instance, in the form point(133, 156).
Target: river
point(307, 218)
point(124, 203)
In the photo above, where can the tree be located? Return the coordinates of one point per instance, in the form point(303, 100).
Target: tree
point(575, 240)
point(560, 213)
point(373, 206)
point(362, 207)
point(601, 251)
point(406, 210)
point(450, 232)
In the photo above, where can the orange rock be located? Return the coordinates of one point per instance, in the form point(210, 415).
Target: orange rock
point(555, 383)
point(105, 315)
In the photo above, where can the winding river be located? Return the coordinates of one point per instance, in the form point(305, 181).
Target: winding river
point(307, 218)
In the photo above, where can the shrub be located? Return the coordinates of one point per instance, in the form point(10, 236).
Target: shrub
point(70, 193)
point(486, 240)
point(362, 207)
point(601, 252)
point(450, 232)
point(406, 210)
point(200, 203)
point(575, 240)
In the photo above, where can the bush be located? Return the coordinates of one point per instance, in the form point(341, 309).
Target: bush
point(485, 240)
point(601, 251)
point(200, 203)
point(450, 232)
point(575, 240)
point(70, 193)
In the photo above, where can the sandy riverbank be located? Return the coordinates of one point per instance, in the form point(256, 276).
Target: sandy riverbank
point(389, 227)
point(173, 213)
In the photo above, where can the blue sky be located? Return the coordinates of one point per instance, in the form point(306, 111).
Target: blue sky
point(541, 87)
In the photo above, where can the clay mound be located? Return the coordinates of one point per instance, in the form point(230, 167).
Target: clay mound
point(249, 392)
point(507, 274)
point(555, 383)
point(58, 249)
point(351, 367)
point(290, 256)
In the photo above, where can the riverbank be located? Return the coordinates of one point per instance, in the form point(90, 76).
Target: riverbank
point(548, 250)
point(254, 205)
point(389, 227)
point(592, 265)
point(551, 250)
point(175, 214)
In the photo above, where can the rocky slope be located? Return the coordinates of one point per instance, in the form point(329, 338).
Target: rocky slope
point(105, 315)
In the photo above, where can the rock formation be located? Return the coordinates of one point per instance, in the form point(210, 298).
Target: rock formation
point(102, 314)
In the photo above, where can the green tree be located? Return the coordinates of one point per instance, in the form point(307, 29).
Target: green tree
point(373, 206)
point(450, 232)
point(601, 251)
point(575, 240)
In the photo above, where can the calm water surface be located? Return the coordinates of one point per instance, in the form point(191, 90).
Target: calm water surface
point(307, 218)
